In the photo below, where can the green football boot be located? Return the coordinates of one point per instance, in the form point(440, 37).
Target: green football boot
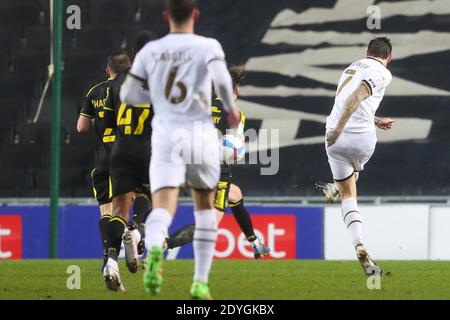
point(200, 291)
point(153, 274)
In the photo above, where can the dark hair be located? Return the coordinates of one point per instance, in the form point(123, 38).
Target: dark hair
point(180, 10)
point(237, 73)
point(380, 47)
point(118, 62)
point(142, 38)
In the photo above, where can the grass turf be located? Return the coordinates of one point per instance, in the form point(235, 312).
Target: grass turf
point(233, 279)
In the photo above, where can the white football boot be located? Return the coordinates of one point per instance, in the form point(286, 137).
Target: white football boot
point(329, 190)
point(259, 248)
point(368, 265)
point(112, 276)
point(130, 242)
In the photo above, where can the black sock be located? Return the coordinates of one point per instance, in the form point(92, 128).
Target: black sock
point(141, 209)
point(102, 226)
point(116, 227)
point(243, 219)
point(181, 237)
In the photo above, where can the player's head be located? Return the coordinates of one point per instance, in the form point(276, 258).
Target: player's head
point(380, 47)
point(116, 63)
point(141, 39)
point(181, 12)
point(237, 73)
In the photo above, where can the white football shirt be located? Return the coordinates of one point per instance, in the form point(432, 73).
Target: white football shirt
point(176, 70)
point(376, 77)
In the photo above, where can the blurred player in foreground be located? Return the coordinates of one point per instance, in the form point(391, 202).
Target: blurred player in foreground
point(129, 163)
point(179, 69)
point(92, 115)
point(351, 133)
point(227, 193)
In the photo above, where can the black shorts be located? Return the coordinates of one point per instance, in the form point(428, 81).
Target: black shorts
point(101, 186)
point(129, 168)
point(223, 188)
point(130, 182)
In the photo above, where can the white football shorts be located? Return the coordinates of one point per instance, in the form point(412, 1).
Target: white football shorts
point(184, 153)
point(350, 153)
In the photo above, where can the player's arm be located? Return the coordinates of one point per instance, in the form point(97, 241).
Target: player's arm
point(384, 123)
point(238, 131)
point(241, 125)
point(351, 105)
point(240, 128)
point(84, 124)
point(86, 119)
point(133, 92)
point(223, 87)
point(381, 81)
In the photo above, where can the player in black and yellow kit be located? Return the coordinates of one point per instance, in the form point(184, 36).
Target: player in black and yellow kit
point(129, 170)
point(228, 194)
point(92, 115)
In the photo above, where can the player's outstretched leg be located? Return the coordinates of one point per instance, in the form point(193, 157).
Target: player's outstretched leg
point(111, 273)
point(180, 237)
point(353, 222)
point(245, 222)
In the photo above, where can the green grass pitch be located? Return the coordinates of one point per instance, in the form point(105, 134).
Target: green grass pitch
point(233, 279)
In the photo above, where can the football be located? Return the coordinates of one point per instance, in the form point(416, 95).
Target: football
point(233, 148)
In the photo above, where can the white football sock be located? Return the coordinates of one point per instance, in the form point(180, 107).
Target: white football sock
point(156, 227)
point(352, 220)
point(205, 236)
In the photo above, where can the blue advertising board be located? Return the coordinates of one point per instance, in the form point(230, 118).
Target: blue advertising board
point(290, 232)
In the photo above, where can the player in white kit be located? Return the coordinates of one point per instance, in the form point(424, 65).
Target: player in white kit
point(351, 133)
point(179, 70)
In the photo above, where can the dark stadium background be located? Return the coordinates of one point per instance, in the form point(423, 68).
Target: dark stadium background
point(401, 168)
